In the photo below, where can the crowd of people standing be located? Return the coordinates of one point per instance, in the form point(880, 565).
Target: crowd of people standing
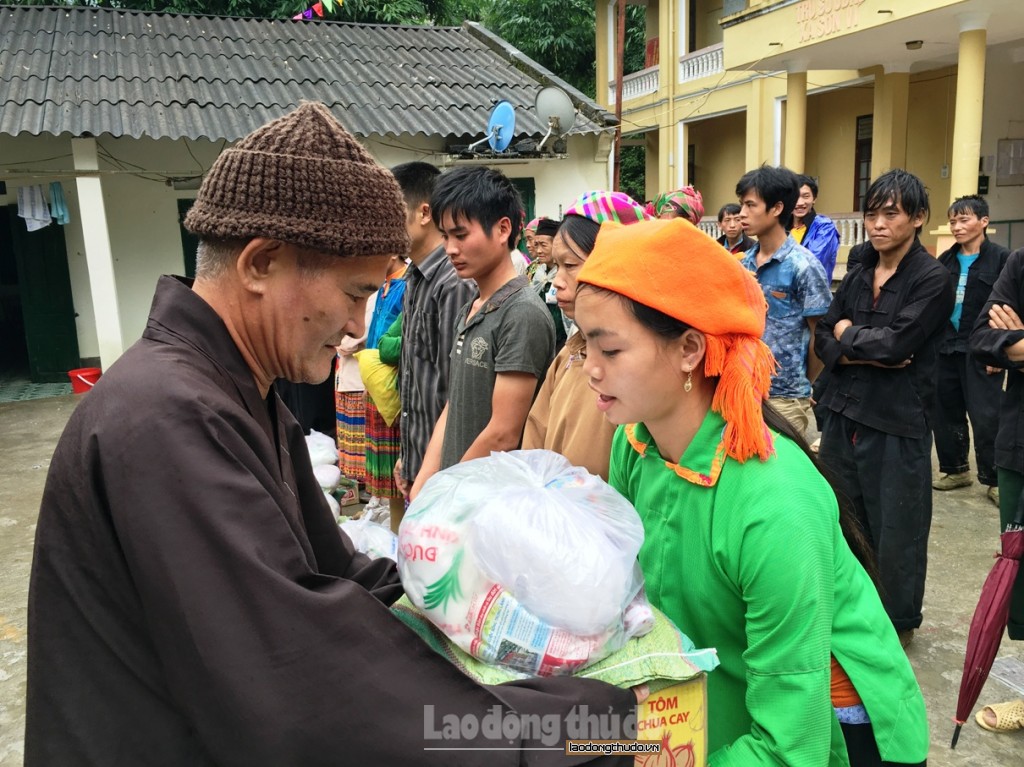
point(194, 562)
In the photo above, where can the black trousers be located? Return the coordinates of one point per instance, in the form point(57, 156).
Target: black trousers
point(965, 391)
point(1011, 486)
point(888, 479)
point(862, 749)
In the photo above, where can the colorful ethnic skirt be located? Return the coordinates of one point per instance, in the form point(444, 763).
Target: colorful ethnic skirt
point(382, 445)
point(350, 408)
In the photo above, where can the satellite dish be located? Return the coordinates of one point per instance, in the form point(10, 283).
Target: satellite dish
point(555, 107)
point(501, 126)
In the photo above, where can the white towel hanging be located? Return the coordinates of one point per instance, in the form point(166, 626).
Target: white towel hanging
point(33, 208)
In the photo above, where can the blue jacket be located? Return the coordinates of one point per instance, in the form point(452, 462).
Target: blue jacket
point(386, 310)
point(822, 239)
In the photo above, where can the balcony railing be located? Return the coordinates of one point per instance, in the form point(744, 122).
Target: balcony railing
point(703, 63)
point(709, 225)
point(642, 83)
point(851, 228)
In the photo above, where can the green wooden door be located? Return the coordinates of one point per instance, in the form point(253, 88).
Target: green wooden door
point(189, 242)
point(527, 190)
point(48, 310)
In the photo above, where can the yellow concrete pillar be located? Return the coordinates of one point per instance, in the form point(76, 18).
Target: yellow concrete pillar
point(970, 97)
point(970, 93)
point(889, 122)
point(605, 52)
point(668, 151)
point(759, 121)
point(655, 166)
point(795, 148)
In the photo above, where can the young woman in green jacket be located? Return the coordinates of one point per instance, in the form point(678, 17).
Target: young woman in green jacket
point(743, 548)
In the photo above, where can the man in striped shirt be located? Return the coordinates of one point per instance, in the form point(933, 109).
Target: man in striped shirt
point(434, 294)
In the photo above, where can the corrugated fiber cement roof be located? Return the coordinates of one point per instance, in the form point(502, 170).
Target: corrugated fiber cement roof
point(91, 71)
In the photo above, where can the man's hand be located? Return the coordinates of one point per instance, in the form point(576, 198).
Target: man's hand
point(400, 483)
point(1003, 317)
point(993, 371)
point(840, 328)
point(643, 692)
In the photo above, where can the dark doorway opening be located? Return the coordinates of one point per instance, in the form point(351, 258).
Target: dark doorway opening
point(862, 169)
point(189, 242)
point(39, 313)
point(13, 347)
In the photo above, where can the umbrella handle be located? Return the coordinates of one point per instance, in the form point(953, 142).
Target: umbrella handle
point(956, 734)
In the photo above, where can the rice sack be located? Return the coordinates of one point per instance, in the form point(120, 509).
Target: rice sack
point(525, 561)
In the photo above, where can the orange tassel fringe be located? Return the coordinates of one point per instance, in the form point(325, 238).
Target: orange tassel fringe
point(744, 366)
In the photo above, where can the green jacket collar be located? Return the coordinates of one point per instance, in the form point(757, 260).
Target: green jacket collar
point(703, 460)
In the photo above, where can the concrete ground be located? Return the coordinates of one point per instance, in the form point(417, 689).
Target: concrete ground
point(963, 540)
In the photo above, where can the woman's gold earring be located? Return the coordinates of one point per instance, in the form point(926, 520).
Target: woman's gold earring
point(689, 382)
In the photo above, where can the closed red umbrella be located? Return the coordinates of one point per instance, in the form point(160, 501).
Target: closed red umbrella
point(990, 617)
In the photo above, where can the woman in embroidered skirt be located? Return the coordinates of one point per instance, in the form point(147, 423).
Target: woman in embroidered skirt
point(382, 441)
point(350, 405)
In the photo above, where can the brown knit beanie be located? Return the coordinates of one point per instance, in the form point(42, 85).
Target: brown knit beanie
point(305, 180)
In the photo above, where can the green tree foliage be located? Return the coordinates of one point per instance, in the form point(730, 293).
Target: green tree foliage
point(560, 34)
point(557, 33)
point(438, 12)
point(632, 172)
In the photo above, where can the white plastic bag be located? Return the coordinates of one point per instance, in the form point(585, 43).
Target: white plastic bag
point(333, 503)
point(524, 560)
point(371, 538)
point(327, 475)
point(322, 450)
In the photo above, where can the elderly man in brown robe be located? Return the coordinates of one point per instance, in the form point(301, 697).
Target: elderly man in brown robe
point(192, 600)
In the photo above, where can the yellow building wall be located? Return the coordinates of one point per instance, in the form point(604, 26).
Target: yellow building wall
point(831, 143)
point(719, 154)
point(764, 35)
point(930, 139)
point(1004, 118)
point(709, 32)
point(652, 23)
point(831, 115)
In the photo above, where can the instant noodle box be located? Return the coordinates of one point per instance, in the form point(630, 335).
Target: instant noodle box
point(677, 717)
point(347, 492)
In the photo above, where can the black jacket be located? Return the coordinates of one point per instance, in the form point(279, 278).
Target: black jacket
point(906, 322)
point(980, 279)
point(988, 345)
point(745, 244)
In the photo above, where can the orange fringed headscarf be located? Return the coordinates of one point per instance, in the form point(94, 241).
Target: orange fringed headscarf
point(672, 266)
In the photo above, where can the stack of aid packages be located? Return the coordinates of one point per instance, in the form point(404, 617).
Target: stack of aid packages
point(323, 454)
point(526, 561)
